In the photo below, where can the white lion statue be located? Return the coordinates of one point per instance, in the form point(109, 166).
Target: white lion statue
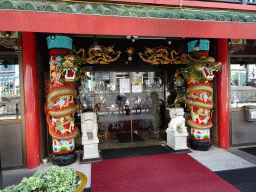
point(177, 123)
point(89, 125)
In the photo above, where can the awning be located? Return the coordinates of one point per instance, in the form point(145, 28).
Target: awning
point(113, 19)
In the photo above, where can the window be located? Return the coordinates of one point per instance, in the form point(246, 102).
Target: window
point(243, 81)
point(9, 88)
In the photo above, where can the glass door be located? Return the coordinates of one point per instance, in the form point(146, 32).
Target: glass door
point(128, 106)
point(242, 81)
point(11, 111)
point(147, 105)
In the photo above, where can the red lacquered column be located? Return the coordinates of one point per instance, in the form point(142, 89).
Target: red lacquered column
point(223, 97)
point(31, 100)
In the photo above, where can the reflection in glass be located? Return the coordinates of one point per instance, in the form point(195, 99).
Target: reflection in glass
point(243, 82)
point(120, 106)
point(9, 88)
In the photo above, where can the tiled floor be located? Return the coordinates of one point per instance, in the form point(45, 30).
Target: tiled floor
point(246, 156)
point(216, 159)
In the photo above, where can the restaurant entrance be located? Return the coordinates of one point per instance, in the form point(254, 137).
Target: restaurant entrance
point(12, 124)
point(130, 107)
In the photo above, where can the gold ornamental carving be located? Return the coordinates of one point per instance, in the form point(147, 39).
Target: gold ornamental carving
point(160, 55)
point(103, 56)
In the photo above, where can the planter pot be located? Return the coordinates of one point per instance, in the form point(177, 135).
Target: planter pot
point(83, 181)
point(26, 186)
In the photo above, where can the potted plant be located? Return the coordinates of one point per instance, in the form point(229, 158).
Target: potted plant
point(54, 179)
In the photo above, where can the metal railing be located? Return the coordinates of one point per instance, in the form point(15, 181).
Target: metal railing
point(243, 96)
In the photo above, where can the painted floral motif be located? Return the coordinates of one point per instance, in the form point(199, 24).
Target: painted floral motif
point(199, 96)
point(63, 146)
point(200, 134)
point(200, 115)
point(63, 102)
point(64, 125)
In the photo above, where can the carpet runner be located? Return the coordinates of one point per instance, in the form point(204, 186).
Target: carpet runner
point(164, 172)
point(138, 152)
point(126, 137)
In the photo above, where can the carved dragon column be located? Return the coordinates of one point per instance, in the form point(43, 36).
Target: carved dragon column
point(200, 98)
point(199, 93)
point(61, 107)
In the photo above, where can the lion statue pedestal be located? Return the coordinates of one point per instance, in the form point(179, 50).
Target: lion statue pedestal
point(177, 131)
point(90, 138)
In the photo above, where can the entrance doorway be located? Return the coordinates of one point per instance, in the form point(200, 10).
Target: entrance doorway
point(130, 107)
point(12, 125)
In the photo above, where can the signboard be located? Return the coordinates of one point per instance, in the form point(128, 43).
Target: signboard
point(139, 79)
point(105, 77)
point(124, 85)
point(137, 88)
point(253, 114)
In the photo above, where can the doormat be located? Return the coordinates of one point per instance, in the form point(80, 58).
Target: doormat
point(138, 152)
point(243, 179)
point(164, 172)
point(250, 150)
point(126, 137)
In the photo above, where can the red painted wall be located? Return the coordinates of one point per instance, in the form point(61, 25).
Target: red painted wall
point(31, 100)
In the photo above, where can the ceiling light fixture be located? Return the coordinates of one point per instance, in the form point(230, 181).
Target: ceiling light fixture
point(196, 48)
point(96, 45)
point(7, 34)
point(53, 36)
point(168, 41)
point(133, 39)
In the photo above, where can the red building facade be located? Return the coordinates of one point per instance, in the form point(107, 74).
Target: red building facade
point(31, 22)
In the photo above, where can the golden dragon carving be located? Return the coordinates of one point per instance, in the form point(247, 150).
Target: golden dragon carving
point(102, 56)
point(199, 94)
point(160, 55)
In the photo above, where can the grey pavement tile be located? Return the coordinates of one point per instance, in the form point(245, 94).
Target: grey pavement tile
point(218, 159)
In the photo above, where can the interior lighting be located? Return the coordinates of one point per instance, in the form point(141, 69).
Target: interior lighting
point(96, 45)
point(133, 39)
point(7, 34)
point(53, 37)
point(196, 48)
point(229, 41)
point(168, 41)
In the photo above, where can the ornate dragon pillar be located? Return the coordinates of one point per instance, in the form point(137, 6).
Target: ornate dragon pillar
point(61, 106)
point(199, 93)
point(200, 101)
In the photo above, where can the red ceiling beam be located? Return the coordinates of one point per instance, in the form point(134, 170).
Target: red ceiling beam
point(12, 20)
point(203, 4)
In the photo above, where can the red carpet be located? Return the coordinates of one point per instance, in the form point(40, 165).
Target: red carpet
point(167, 172)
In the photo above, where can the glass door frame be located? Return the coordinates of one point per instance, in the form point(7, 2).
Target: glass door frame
point(22, 111)
point(164, 72)
point(229, 80)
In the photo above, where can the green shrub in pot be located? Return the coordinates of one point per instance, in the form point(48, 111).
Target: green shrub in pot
point(56, 179)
